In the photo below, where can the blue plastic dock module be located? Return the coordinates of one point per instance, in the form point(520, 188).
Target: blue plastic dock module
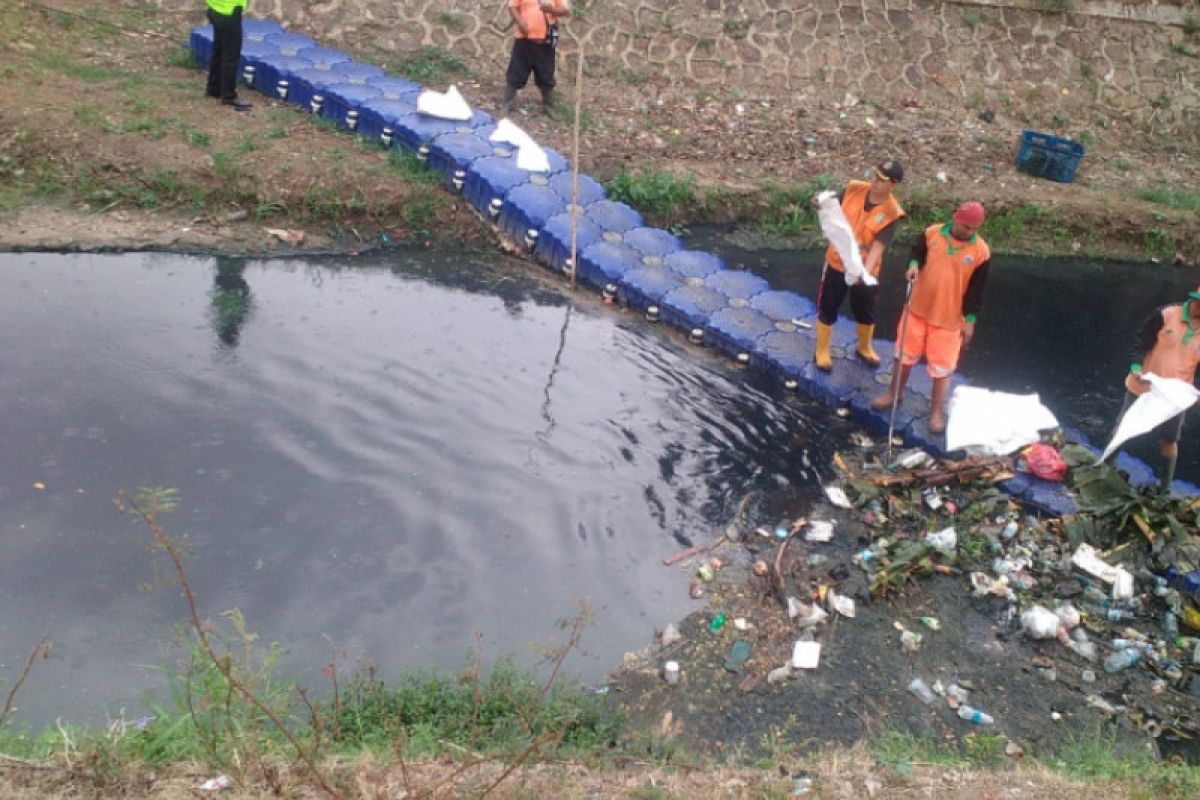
point(394, 88)
point(306, 88)
point(590, 190)
point(603, 263)
point(256, 30)
point(554, 243)
point(275, 73)
point(290, 44)
point(200, 41)
point(353, 72)
point(693, 264)
point(526, 209)
point(323, 57)
point(786, 353)
point(737, 285)
point(784, 306)
point(613, 217)
point(344, 101)
point(691, 307)
point(416, 131)
point(452, 153)
point(737, 330)
point(654, 244)
point(489, 179)
point(377, 119)
point(647, 285)
point(254, 55)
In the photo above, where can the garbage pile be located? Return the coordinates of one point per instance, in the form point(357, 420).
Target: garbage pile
point(1114, 587)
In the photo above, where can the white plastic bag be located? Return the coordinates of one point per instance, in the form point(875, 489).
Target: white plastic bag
point(839, 233)
point(530, 156)
point(444, 105)
point(1040, 623)
point(1167, 398)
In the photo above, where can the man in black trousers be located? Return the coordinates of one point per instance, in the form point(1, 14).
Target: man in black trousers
point(226, 19)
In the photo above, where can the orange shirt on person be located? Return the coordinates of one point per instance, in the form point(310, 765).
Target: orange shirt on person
point(534, 18)
point(938, 294)
point(865, 224)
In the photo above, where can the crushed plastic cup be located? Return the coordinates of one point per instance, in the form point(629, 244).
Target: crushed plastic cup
point(671, 672)
point(842, 604)
point(838, 497)
point(819, 530)
point(780, 674)
point(910, 641)
point(670, 634)
point(1068, 615)
point(810, 615)
point(806, 655)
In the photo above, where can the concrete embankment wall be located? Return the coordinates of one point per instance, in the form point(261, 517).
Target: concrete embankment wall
point(1130, 59)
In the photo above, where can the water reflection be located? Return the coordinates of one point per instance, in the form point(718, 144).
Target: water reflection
point(232, 303)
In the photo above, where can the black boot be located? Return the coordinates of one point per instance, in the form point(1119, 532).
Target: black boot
point(510, 99)
point(547, 100)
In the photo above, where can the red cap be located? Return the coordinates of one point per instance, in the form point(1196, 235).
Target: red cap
point(969, 213)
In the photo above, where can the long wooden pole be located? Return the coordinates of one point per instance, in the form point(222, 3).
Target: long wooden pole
point(575, 164)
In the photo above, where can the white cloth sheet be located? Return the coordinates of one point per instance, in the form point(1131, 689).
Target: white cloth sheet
point(995, 423)
point(838, 231)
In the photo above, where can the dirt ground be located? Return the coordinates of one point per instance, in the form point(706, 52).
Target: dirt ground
point(107, 142)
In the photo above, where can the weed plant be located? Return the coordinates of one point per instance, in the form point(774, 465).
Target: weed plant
point(661, 194)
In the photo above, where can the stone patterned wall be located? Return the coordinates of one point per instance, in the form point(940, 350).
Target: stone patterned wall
point(1136, 58)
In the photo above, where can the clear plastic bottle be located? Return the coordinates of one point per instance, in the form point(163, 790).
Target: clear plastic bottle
point(1010, 530)
point(975, 716)
point(1121, 660)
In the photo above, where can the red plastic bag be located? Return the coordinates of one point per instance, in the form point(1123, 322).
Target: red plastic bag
point(1044, 462)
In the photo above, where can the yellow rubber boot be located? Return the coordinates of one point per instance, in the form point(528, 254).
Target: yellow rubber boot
point(822, 357)
point(867, 353)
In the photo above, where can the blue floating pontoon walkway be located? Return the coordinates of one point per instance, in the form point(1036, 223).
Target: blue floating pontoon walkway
point(647, 268)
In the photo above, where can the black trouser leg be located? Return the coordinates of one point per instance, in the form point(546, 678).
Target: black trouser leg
point(519, 65)
point(862, 302)
point(227, 53)
point(830, 295)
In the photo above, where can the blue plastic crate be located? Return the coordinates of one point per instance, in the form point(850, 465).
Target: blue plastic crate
point(1046, 156)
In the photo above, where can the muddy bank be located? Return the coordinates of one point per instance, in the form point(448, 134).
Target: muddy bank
point(108, 142)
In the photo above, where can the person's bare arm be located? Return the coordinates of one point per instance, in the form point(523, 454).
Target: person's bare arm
point(874, 260)
point(516, 16)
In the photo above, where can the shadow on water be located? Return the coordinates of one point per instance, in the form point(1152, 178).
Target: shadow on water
point(405, 450)
point(1060, 327)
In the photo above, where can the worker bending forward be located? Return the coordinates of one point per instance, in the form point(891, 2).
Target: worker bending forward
point(950, 265)
point(873, 214)
point(1169, 347)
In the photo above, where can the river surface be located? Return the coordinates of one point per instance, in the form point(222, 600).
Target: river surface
point(377, 457)
point(1060, 327)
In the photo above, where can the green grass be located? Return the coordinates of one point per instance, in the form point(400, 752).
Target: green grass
point(787, 210)
point(182, 57)
point(88, 73)
point(1172, 198)
point(658, 193)
point(1098, 755)
point(431, 65)
point(412, 168)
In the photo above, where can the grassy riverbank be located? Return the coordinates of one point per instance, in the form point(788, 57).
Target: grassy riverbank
point(110, 144)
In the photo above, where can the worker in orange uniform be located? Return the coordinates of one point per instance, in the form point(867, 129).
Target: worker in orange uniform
point(533, 48)
point(874, 215)
point(950, 266)
point(1169, 347)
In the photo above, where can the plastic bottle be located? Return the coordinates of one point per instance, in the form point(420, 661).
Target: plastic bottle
point(717, 622)
point(1010, 530)
point(1121, 660)
point(921, 691)
point(1170, 623)
point(957, 692)
point(974, 716)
